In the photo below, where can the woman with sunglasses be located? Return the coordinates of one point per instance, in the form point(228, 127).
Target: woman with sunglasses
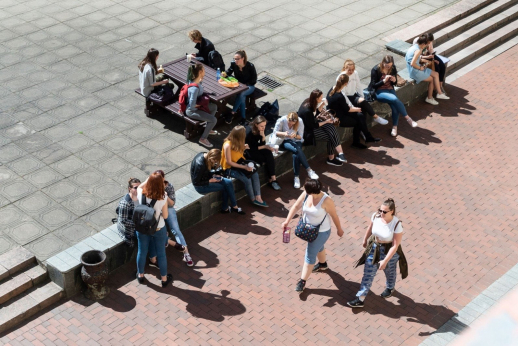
point(382, 243)
point(125, 225)
point(205, 179)
point(290, 130)
point(245, 73)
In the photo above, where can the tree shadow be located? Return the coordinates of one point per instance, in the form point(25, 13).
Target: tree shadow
point(427, 314)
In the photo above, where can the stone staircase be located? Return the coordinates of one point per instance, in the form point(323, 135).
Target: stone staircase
point(25, 288)
point(463, 34)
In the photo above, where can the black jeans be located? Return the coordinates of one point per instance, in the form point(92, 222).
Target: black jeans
point(440, 68)
point(262, 156)
point(358, 123)
point(365, 106)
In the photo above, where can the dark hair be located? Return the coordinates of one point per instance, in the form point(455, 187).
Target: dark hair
point(154, 188)
point(194, 71)
point(257, 120)
point(342, 80)
point(161, 172)
point(423, 39)
point(387, 59)
point(311, 102)
point(389, 202)
point(429, 36)
point(242, 54)
point(149, 59)
point(132, 181)
point(313, 186)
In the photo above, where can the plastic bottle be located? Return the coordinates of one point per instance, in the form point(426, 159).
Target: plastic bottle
point(218, 74)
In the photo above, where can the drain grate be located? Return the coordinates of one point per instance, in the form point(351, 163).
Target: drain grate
point(269, 82)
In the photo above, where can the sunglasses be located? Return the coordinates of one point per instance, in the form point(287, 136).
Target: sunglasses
point(383, 211)
point(134, 187)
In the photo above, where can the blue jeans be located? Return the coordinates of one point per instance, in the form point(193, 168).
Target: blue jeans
point(369, 272)
point(226, 188)
point(389, 96)
point(252, 184)
point(298, 155)
point(155, 245)
point(241, 101)
point(172, 222)
point(312, 249)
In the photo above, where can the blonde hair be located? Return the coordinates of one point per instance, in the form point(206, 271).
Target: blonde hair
point(342, 80)
point(293, 116)
point(194, 35)
point(347, 63)
point(214, 155)
point(236, 137)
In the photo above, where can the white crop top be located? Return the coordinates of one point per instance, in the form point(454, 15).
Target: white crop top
point(385, 232)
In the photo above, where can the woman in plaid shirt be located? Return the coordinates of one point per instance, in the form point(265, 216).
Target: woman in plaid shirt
point(125, 225)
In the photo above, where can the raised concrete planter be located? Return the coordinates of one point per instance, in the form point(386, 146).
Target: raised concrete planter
point(191, 207)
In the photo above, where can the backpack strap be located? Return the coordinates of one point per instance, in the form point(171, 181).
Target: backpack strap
point(143, 201)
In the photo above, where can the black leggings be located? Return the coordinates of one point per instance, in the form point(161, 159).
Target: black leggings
point(327, 132)
point(365, 106)
point(440, 68)
point(358, 123)
point(263, 156)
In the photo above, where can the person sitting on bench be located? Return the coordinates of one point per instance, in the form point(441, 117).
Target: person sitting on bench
point(147, 73)
point(203, 45)
point(245, 73)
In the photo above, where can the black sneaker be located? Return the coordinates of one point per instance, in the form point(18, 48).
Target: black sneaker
point(357, 303)
point(342, 158)
point(359, 146)
point(275, 185)
point(373, 140)
point(140, 279)
point(334, 162)
point(320, 267)
point(167, 281)
point(228, 118)
point(300, 286)
point(243, 122)
point(238, 210)
point(387, 293)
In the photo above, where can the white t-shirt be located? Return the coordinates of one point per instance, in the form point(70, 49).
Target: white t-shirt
point(158, 207)
point(385, 232)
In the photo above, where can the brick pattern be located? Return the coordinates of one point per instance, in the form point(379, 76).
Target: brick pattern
point(454, 183)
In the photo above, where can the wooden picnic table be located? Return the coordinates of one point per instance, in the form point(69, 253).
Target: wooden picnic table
point(176, 71)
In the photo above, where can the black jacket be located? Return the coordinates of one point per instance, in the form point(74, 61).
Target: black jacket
point(376, 81)
point(338, 104)
point(253, 141)
point(200, 174)
point(310, 123)
point(204, 48)
point(246, 76)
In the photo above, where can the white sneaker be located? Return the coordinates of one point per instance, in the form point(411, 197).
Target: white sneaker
point(381, 121)
point(411, 122)
point(431, 101)
point(393, 133)
point(312, 174)
point(442, 97)
point(296, 183)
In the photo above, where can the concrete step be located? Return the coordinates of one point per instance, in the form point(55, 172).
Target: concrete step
point(471, 20)
point(15, 260)
point(482, 46)
point(477, 32)
point(21, 282)
point(28, 304)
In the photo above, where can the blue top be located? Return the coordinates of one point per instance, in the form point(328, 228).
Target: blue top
point(410, 56)
point(193, 93)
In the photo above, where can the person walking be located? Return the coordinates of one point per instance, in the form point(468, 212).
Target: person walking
point(382, 243)
point(154, 190)
point(317, 209)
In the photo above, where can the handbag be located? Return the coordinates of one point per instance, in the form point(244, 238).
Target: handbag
point(307, 231)
point(400, 81)
point(162, 95)
point(203, 102)
point(245, 162)
point(369, 95)
point(328, 114)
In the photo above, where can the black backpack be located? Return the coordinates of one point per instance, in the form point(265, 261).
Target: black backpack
point(162, 95)
point(216, 61)
point(144, 217)
point(270, 111)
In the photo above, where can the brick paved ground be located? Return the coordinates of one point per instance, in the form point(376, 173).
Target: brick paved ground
point(455, 185)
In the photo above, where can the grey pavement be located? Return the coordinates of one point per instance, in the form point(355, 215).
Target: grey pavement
point(72, 131)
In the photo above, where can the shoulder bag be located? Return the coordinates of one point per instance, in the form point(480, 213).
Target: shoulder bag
point(307, 231)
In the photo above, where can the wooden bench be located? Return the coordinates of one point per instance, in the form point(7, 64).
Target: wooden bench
point(192, 127)
point(250, 100)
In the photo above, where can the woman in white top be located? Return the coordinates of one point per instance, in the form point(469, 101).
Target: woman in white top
point(317, 209)
point(353, 92)
point(382, 243)
point(290, 130)
point(147, 73)
point(154, 189)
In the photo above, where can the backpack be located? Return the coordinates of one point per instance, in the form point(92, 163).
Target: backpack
point(144, 217)
point(216, 60)
point(183, 99)
point(162, 95)
point(270, 111)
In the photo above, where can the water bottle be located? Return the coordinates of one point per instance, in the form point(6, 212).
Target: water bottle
point(286, 235)
point(218, 74)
